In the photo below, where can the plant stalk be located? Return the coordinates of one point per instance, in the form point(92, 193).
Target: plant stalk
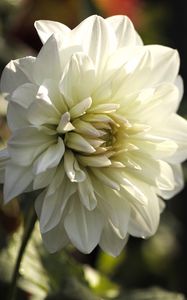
point(29, 226)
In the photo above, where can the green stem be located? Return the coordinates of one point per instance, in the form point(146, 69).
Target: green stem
point(29, 226)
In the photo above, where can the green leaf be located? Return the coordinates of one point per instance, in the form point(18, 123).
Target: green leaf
point(151, 294)
point(33, 277)
point(100, 284)
point(108, 264)
point(74, 290)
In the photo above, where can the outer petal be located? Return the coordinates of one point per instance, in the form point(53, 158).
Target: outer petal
point(114, 207)
point(166, 180)
point(57, 180)
point(16, 116)
point(72, 169)
point(87, 193)
point(47, 64)
point(160, 101)
point(96, 38)
point(78, 79)
point(54, 204)
point(27, 143)
point(180, 85)
point(142, 167)
point(125, 32)
point(42, 111)
point(62, 33)
point(144, 66)
point(43, 179)
point(56, 238)
point(176, 129)
point(110, 241)
point(50, 90)
point(160, 64)
point(25, 94)
point(16, 73)
point(144, 218)
point(46, 28)
point(165, 62)
point(49, 158)
point(178, 183)
point(17, 179)
point(83, 227)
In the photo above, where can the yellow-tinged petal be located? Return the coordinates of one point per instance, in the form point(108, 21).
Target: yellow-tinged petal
point(94, 161)
point(76, 142)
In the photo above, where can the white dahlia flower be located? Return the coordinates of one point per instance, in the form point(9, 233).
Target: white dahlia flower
point(94, 126)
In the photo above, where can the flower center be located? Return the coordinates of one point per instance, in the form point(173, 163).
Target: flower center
point(94, 135)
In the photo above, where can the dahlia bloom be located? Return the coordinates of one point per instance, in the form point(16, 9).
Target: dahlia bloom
point(94, 128)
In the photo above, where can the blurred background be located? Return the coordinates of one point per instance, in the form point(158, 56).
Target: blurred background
point(160, 261)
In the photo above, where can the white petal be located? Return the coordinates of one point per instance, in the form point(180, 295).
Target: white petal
point(125, 32)
point(40, 112)
point(57, 180)
point(120, 66)
point(165, 181)
point(156, 147)
point(114, 207)
point(144, 66)
point(165, 63)
point(25, 94)
point(160, 101)
point(87, 194)
point(154, 173)
point(43, 179)
point(135, 188)
point(86, 128)
point(159, 64)
point(77, 142)
point(180, 85)
point(105, 178)
point(17, 179)
point(65, 124)
point(104, 108)
point(46, 28)
point(39, 202)
point(145, 218)
point(72, 169)
point(149, 170)
point(80, 108)
point(110, 241)
point(62, 33)
point(50, 91)
point(16, 73)
point(49, 158)
point(47, 64)
point(99, 118)
point(78, 79)
point(175, 128)
point(55, 239)
point(97, 39)
point(178, 183)
point(54, 204)
point(94, 161)
point(83, 227)
point(27, 143)
point(16, 116)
